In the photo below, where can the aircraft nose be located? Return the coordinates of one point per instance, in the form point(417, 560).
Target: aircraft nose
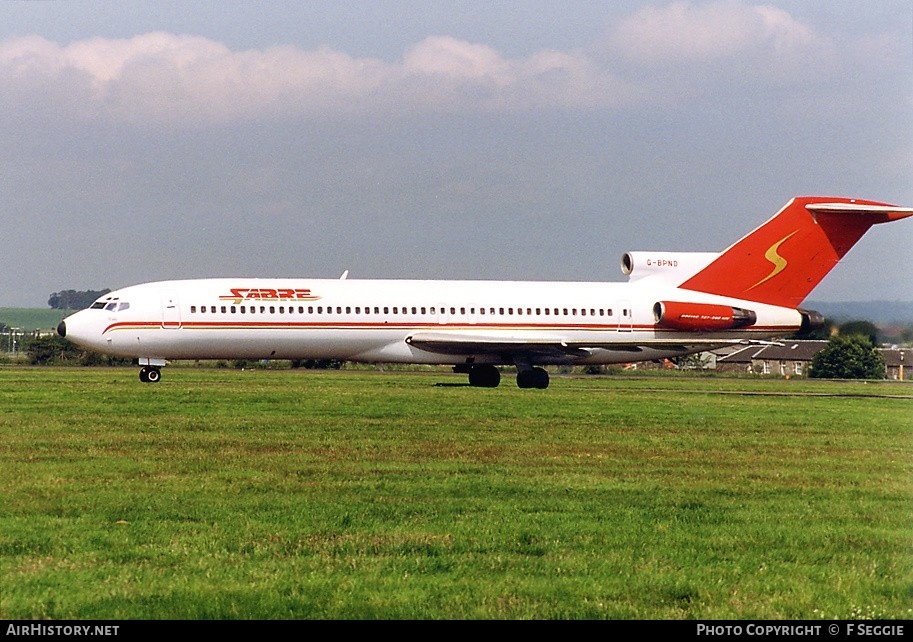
point(62, 329)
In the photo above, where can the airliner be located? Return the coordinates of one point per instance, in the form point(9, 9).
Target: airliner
point(673, 304)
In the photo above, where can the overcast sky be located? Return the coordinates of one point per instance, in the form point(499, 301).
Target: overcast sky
point(499, 140)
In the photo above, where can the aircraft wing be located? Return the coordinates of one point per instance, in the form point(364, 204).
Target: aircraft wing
point(546, 346)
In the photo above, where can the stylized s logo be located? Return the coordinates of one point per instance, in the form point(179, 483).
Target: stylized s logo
point(778, 261)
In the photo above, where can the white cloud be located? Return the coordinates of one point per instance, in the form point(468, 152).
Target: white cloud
point(446, 56)
point(167, 77)
point(656, 56)
point(684, 32)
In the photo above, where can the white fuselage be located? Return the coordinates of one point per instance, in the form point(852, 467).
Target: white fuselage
point(374, 320)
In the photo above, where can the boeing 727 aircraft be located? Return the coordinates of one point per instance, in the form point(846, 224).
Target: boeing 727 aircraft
point(674, 303)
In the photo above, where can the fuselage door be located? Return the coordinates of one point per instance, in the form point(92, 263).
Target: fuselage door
point(627, 316)
point(171, 311)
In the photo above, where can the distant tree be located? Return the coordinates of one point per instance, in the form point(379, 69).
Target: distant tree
point(848, 357)
point(318, 364)
point(55, 350)
point(74, 299)
point(864, 328)
point(697, 361)
point(50, 349)
point(906, 335)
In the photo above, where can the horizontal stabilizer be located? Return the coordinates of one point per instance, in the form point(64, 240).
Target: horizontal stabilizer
point(884, 213)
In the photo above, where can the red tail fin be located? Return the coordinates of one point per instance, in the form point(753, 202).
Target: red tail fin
point(784, 259)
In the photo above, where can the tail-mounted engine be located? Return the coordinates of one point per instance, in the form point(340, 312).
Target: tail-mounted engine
point(811, 320)
point(701, 317)
point(674, 267)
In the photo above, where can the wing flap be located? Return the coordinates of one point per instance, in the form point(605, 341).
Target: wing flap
point(471, 343)
point(546, 346)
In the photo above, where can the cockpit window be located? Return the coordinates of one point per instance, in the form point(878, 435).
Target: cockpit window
point(111, 307)
point(123, 306)
point(98, 305)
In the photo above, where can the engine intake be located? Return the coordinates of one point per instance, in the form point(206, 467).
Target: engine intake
point(701, 317)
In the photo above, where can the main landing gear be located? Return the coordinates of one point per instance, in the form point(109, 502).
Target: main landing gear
point(150, 374)
point(532, 378)
point(484, 376)
point(488, 376)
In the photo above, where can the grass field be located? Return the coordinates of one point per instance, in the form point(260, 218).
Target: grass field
point(298, 494)
point(28, 319)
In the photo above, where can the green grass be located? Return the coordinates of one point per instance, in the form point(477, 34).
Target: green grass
point(29, 319)
point(294, 494)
